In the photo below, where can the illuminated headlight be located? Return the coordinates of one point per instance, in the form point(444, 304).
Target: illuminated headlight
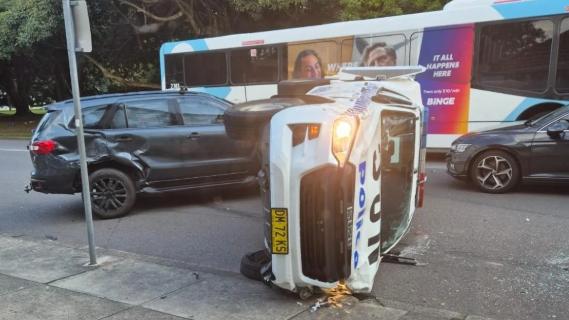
point(461, 147)
point(342, 138)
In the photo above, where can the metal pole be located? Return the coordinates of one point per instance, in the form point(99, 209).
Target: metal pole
point(70, 35)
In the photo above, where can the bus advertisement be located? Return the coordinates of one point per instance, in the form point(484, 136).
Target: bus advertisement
point(488, 61)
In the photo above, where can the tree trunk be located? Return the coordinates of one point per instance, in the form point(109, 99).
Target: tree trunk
point(18, 87)
point(19, 99)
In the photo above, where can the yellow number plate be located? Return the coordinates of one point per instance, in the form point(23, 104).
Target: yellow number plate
point(279, 231)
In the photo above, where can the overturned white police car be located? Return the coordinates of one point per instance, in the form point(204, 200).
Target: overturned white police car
point(342, 171)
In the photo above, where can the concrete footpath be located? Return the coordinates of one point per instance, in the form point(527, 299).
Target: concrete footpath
point(42, 279)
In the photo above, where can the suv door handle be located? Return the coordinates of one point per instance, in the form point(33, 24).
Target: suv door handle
point(194, 136)
point(123, 138)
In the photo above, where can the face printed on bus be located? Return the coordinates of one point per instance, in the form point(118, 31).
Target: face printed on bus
point(310, 68)
point(379, 57)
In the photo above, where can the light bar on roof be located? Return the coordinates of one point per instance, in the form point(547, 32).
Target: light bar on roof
point(383, 73)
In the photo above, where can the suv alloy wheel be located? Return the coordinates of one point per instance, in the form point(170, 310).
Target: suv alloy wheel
point(112, 193)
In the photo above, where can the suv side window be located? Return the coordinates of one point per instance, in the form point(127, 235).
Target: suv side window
point(200, 110)
point(149, 113)
point(91, 117)
point(119, 118)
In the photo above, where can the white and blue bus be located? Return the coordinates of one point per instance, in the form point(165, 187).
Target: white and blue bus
point(488, 61)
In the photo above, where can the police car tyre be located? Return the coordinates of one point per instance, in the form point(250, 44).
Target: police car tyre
point(112, 193)
point(252, 262)
point(495, 171)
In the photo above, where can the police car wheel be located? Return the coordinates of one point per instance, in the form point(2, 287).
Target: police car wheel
point(252, 262)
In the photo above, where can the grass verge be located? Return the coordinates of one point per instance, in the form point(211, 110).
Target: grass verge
point(12, 127)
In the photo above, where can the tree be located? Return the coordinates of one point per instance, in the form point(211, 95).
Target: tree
point(260, 15)
point(23, 25)
point(366, 9)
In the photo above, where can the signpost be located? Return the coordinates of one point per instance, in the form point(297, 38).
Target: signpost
point(78, 34)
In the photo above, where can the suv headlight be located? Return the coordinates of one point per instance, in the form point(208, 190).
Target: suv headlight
point(461, 147)
point(343, 134)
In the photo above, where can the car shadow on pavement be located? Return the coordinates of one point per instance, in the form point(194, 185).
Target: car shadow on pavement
point(523, 188)
point(194, 197)
point(543, 188)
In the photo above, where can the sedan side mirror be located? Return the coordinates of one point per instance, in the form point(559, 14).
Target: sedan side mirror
point(557, 129)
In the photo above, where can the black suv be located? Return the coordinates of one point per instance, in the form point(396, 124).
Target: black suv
point(139, 142)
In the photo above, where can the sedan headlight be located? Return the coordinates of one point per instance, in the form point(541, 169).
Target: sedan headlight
point(343, 137)
point(460, 147)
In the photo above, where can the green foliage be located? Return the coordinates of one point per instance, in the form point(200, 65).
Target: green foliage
point(365, 9)
point(260, 15)
point(248, 6)
point(24, 23)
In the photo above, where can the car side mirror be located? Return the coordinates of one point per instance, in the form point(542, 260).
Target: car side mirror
point(557, 129)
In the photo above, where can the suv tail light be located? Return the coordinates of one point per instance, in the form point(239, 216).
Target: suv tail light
point(43, 147)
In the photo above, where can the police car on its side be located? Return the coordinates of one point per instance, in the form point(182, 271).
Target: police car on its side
point(342, 172)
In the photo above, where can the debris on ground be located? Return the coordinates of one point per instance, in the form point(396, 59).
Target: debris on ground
point(333, 297)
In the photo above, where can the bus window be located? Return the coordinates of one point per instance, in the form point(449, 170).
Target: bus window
point(254, 65)
point(205, 69)
point(312, 60)
point(380, 51)
point(515, 55)
point(563, 60)
point(174, 69)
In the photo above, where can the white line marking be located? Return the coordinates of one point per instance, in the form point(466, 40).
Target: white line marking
point(14, 150)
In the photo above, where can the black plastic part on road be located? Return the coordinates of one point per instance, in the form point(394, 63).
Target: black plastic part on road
point(252, 262)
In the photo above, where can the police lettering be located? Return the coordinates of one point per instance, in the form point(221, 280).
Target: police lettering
point(375, 210)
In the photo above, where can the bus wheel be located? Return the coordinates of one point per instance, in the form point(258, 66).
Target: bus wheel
point(245, 121)
point(495, 171)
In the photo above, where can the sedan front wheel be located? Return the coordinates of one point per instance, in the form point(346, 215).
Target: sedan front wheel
point(495, 171)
